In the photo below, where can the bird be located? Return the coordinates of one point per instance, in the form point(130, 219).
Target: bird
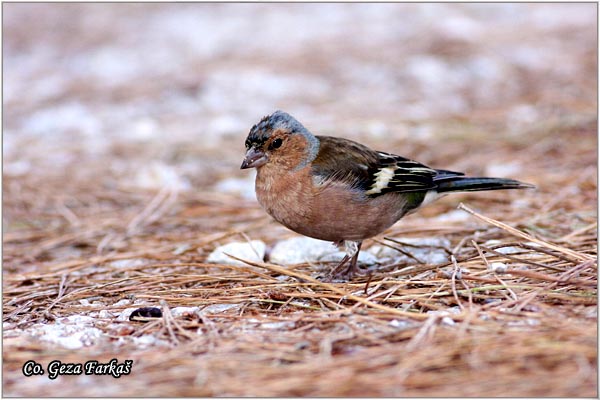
point(338, 190)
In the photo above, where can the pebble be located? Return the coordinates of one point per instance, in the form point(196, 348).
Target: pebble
point(253, 251)
point(431, 252)
point(498, 267)
point(300, 250)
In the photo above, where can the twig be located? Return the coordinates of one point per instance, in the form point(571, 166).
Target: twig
point(516, 232)
point(455, 272)
point(328, 286)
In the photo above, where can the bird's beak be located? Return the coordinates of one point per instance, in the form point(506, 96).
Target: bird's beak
point(254, 158)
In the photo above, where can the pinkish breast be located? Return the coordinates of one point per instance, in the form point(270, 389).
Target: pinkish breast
point(329, 211)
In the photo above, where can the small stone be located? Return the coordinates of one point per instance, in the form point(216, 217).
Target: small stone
point(396, 323)
point(498, 267)
point(179, 311)
point(122, 302)
point(217, 308)
point(364, 258)
point(300, 250)
point(427, 250)
point(253, 251)
point(105, 314)
point(503, 250)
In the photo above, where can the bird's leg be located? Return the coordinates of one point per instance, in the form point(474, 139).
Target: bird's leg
point(341, 271)
point(355, 248)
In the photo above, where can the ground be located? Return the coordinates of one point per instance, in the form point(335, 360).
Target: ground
point(124, 127)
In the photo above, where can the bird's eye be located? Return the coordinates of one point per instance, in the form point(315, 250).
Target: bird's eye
point(276, 143)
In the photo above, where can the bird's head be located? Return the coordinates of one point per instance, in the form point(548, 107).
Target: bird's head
point(281, 140)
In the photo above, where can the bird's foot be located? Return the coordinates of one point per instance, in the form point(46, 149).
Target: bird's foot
point(346, 274)
point(348, 267)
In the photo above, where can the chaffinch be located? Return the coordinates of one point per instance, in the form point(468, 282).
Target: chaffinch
point(338, 190)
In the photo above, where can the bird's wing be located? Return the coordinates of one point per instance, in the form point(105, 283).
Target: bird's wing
point(375, 172)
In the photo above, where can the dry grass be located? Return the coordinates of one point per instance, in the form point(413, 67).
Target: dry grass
point(527, 331)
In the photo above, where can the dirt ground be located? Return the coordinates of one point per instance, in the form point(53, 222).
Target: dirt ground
point(123, 132)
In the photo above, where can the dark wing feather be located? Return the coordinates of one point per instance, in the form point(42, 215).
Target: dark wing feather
point(374, 172)
point(344, 160)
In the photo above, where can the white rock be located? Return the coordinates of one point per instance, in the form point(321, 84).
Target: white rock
point(400, 324)
point(178, 311)
point(122, 302)
point(533, 244)
point(217, 308)
point(253, 251)
point(509, 250)
point(300, 250)
point(435, 257)
point(127, 263)
point(427, 241)
point(432, 251)
point(364, 258)
point(498, 267)
point(503, 250)
point(445, 313)
point(277, 325)
point(492, 242)
point(104, 314)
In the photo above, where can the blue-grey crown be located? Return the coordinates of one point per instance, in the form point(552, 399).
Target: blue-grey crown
point(278, 120)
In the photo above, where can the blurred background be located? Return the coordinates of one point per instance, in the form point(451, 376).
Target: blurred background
point(123, 134)
point(165, 93)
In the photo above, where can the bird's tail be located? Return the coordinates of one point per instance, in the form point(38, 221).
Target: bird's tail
point(468, 184)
